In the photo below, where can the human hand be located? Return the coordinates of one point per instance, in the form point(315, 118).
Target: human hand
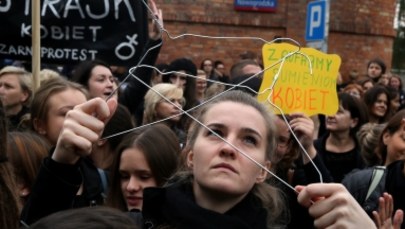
point(332, 206)
point(157, 22)
point(383, 218)
point(81, 128)
point(304, 129)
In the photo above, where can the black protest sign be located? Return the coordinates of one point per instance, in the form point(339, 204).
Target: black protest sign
point(76, 30)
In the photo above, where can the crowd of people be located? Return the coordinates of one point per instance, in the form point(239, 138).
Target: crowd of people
point(174, 148)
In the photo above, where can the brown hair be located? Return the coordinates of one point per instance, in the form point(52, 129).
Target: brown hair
point(288, 160)
point(9, 207)
point(94, 217)
point(392, 126)
point(371, 96)
point(161, 149)
point(356, 86)
point(40, 102)
point(270, 196)
point(26, 150)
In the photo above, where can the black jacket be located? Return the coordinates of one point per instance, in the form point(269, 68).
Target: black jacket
point(175, 207)
point(303, 175)
point(19, 122)
point(56, 187)
point(392, 182)
point(133, 94)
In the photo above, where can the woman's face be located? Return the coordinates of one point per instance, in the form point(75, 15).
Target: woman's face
point(208, 66)
point(380, 106)
point(217, 166)
point(395, 83)
point(180, 80)
point(395, 103)
point(367, 85)
point(395, 144)
point(11, 94)
point(374, 70)
point(201, 84)
point(384, 79)
point(135, 176)
point(59, 104)
point(101, 82)
point(341, 121)
point(164, 109)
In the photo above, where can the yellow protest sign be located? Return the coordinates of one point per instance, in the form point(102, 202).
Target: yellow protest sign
point(296, 90)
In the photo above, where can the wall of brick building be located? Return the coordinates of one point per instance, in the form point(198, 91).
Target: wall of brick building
point(359, 30)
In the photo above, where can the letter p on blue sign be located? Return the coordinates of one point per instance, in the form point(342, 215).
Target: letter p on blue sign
point(316, 21)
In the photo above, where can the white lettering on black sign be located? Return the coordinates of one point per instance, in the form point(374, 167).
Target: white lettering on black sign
point(114, 29)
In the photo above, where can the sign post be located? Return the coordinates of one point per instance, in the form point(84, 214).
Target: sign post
point(317, 25)
point(36, 43)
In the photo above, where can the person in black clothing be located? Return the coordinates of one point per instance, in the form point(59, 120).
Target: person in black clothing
point(395, 82)
point(177, 71)
point(390, 151)
point(51, 191)
point(222, 188)
point(98, 77)
point(291, 164)
point(207, 65)
point(96, 217)
point(147, 157)
point(219, 68)
point(133, 94)
point(339, 148)
point(10, 205)
point(375, 69)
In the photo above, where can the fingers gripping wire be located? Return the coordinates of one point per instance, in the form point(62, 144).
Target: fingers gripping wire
point(230, 87)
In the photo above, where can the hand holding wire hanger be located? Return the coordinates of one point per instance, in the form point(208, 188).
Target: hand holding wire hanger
point(81, 128)
point(332, 206)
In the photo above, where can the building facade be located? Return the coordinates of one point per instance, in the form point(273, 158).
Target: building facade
point(358, 30)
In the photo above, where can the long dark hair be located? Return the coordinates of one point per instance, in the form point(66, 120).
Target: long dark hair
point(392, 126)
point(371, 96)
point(82, 72)
point(9, 207)
point(357, 109)
point(161, 149)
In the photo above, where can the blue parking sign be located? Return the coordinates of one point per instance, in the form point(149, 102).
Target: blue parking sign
point(316, 21)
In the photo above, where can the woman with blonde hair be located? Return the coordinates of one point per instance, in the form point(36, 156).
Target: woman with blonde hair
point(166, 108)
